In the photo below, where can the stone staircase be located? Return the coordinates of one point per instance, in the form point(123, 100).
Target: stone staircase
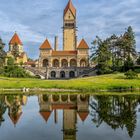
point(35, 72)
point(88, 72)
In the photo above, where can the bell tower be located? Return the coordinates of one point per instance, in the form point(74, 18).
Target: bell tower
point(69, 27)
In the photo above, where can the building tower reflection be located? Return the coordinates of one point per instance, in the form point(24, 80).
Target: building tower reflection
point(14, 104)
point(72, 106)
point(69, 124)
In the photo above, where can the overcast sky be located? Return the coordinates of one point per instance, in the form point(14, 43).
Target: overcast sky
point(36, 20)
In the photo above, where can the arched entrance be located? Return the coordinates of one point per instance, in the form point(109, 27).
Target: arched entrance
point(45, 62)
point(62, 74)
point(53, 74)
point(83, 63)
point(64, 63)
point(72, 74)
point(73, 63)
point(55, 63)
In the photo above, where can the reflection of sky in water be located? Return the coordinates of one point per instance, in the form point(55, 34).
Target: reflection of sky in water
point(32, 126)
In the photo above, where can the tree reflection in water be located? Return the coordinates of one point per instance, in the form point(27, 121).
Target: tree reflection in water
point(116, 111)
point(2, 109)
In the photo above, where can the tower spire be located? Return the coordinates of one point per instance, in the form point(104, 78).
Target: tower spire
point(70, 7)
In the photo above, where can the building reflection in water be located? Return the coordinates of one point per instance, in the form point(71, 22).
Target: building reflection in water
point(72, 105)
point(14, 104)
point(118, 112)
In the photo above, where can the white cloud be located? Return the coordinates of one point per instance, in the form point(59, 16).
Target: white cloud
point(35, 20)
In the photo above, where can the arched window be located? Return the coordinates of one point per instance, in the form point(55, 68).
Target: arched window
point(72, 74)
point(45, 62)
point(73, 63)
point(55, 63)
point(83, 63)
point(64, 63)
point(62, 74)
point(53, 74)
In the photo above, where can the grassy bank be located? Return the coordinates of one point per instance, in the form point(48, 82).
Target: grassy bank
point(105, 82)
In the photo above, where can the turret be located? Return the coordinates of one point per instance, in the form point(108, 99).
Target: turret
point(69, 27)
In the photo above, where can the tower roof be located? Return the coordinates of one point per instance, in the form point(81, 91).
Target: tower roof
point(45, 45)
point(15, 40)
point(45, 115)
point(83, 45)
point(15, 118)
point(83, 115)
point(70, 7)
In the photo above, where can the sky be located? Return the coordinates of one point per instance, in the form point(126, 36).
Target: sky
point(36, 20)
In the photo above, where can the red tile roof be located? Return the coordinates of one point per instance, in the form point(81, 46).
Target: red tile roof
point(45, 45)
point(70, 7)
point(83, 115)
point(45, 115)
point(15, 40)
point(15, 118)
point(83, 45)
point(64, 53)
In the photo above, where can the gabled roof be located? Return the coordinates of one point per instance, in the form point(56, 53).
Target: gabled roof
point(70, 7)
point(45, 45)
point(83, 45)
point(83, 115)
point(15, 118)
point(15, 40)
point(45, 115)
point(64, 53)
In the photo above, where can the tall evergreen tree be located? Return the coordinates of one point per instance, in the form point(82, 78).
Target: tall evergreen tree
point(115, 53)
point(2, 53)
point(103, 56)
point(129, 48)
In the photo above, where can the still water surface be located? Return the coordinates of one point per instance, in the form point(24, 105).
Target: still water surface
point(69, 117)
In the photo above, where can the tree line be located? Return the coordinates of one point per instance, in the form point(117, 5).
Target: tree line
point(115, 53)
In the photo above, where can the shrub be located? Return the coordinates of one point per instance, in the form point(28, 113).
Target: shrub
point(131, 74)
point(15, 71)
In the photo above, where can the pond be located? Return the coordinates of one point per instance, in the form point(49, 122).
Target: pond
point(69, 117)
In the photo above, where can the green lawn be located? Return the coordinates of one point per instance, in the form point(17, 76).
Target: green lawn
point(105, 82)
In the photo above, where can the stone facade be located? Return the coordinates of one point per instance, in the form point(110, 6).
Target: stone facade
point(73, 59)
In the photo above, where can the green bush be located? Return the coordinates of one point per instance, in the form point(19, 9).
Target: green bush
point(15, 71)
point(131, 74)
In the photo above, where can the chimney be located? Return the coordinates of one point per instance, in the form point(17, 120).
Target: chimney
point(56, 43)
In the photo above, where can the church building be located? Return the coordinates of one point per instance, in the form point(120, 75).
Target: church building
point(16, 50)
point(73, 60)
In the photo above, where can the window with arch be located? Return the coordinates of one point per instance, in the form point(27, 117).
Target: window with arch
point(83, 63)
point(53, 74)
point(55, 63)
point(62, 74)
point(71, 74)
point(73, 63)
point(64, 63)
point(45, 63)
